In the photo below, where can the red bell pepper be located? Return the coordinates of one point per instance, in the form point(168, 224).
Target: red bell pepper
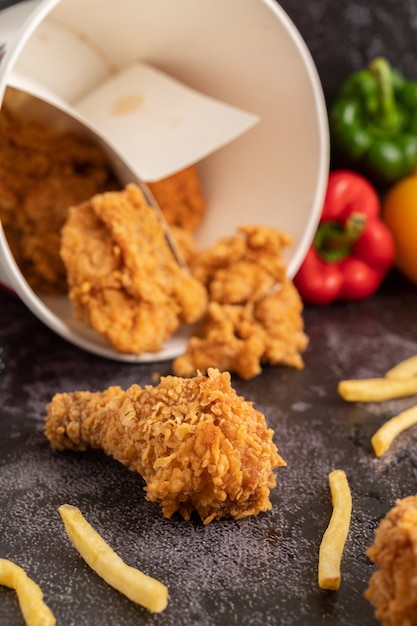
point(352, 250)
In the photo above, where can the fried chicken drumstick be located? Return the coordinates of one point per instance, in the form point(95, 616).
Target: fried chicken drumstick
point(392, 589)
point(197, 444)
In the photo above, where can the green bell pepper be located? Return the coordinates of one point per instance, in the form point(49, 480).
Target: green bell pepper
point(373, 123)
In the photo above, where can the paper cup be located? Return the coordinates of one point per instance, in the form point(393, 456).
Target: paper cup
point(246, 53)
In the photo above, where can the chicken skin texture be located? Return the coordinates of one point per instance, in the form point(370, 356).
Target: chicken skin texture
point(196, 443)
point(392, 588)
point(181, 199)
point(73, 231)
point(254, 313)
point(42, 172)
point(123, 278)
point(46, 169)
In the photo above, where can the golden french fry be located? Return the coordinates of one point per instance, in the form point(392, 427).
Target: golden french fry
point(133, 583)
point(377, 389)
point(385, 435)
point(34, 610)
point(404, 369)
point(334, 538)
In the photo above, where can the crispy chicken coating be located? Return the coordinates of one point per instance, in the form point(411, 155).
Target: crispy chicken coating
point(240, 338)
point(185, 243)
point(123, 278)
point(43, 172)
point(197, 444)
point(254, 314)
point(243, 267)
point(180, 198)
point(392, 588)
point(113, 260)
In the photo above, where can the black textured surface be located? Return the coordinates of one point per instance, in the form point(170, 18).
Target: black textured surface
point(344, 36)
point(260, 571)
point(257, 571)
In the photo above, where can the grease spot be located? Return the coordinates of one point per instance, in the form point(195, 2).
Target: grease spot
point(125, 105)
point(43, 37)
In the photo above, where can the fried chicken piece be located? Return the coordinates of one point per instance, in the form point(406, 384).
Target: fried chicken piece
point(123, 278)
point(185, 243)
point(222, 346)
point(243, 267)
point(180, 198)
point(392, 588)
point(197, 444)
point(280, 316)
point(239, 338)
point(42, 173)
point(254, 311)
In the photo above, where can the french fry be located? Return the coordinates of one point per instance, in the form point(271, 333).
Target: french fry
point(334, 538)
point(404, 369)
point(131, 582)
point(34, 610)
point(385, 435)
point(377, 389)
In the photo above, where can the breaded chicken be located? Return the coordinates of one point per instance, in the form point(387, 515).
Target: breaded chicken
point(123, 278)
point(243, 267)
point(392, 588)
point(240, 338)
point(180, 198)
point(43, 172)
point(254, 314)
point(197, 444)
point(115, 263)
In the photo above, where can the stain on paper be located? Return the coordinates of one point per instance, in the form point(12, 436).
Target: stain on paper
point(127, 104)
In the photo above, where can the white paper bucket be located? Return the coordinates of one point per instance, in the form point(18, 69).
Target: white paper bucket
point(246, 53)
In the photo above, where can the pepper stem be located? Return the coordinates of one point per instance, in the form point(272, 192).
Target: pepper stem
point(387, 114)
point(334, 242)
